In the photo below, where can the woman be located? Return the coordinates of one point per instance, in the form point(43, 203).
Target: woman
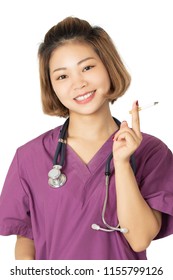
point(81, 73)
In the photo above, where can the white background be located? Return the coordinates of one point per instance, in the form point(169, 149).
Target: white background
point(142, 32)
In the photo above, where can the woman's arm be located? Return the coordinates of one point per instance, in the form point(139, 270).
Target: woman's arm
point(133, 211)
point(24, 249)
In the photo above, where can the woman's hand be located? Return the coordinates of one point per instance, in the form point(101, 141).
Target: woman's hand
point(127, 139)
point(134, 213)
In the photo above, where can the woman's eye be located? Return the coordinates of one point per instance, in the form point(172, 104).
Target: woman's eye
point(88, 68)
point(62, 77)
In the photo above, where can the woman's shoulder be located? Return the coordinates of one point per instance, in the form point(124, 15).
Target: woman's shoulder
point(152, 147)
point(150, 141)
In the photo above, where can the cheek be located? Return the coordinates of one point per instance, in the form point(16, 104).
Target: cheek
point(62, 100)
point(105, 80)
point(61, 94)
point(103, 76)
point(61, 87)
point(57, 89)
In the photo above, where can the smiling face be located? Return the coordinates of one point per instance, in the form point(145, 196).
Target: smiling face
point(79, 78)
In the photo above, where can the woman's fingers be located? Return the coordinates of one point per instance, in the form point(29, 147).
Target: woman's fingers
point(136, 119)
point(126, 134)
point(128, 139)
point(124, 131)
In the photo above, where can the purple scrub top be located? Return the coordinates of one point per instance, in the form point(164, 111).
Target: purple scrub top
point(59, 220)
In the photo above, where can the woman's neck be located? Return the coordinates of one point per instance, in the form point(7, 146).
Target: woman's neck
point(93, 127)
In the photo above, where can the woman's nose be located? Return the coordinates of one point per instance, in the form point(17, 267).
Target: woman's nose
point(79, 82)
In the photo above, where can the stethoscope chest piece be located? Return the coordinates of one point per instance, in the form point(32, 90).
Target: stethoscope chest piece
point(56, 178)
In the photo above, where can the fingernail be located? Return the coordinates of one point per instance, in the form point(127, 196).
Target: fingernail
point(137, 103)
point(123, 122)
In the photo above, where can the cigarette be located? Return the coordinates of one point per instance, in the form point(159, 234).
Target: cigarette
point(145, 107)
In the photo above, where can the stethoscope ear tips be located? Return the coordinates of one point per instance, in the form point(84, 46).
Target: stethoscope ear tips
point(124, 230)
point(111, 229)
point(95, 227)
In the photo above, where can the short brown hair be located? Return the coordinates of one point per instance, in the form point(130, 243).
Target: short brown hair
point(72, 28)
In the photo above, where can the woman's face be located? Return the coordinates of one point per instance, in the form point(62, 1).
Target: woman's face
point(79, 78)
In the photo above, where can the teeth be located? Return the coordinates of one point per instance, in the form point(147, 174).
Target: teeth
point(83, 97)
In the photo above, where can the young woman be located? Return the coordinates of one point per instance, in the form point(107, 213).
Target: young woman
point(110, 192)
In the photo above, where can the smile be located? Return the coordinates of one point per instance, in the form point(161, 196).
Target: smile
point(85, 96)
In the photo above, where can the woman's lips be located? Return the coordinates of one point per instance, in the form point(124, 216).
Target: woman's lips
point(85, 98)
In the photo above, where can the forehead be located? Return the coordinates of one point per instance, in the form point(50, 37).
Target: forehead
point(73, 50)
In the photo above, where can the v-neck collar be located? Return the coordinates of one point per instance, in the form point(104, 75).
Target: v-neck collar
point(97, 160)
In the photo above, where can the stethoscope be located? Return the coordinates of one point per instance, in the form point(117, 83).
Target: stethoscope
point(57, 179)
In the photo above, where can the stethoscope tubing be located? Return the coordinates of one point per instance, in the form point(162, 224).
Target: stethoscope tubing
point(61, 147)
point(60, 154)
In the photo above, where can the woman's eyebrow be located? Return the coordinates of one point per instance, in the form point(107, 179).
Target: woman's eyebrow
point(81, 61)
point(85, 59)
